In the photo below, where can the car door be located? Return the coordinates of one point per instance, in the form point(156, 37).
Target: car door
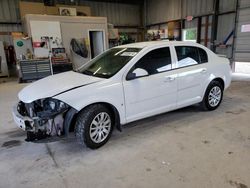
point(191, 63)
point(155, 93)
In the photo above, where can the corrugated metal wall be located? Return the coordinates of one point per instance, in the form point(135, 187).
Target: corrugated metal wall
point(4, 32)
point(9, 11)
point(196, 7)
point(242, 42)
point(226, 24)
point(117, 13)
point(159, 11)
point(227, 5)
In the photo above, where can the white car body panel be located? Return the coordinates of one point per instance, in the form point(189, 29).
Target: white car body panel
point(52, 85)
point(150, 95)
point(138, 98)
point(107, 91)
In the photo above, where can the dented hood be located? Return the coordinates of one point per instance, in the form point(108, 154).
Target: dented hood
point(54, 85)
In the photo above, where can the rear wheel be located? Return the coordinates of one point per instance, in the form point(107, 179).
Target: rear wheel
point(213, 96)
point(94, 126)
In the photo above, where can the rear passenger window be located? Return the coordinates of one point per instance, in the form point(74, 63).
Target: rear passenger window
point(190, 55)
point(203, 56)
point(156, 61)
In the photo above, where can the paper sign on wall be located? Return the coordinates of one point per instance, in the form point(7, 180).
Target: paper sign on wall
point(245, 28)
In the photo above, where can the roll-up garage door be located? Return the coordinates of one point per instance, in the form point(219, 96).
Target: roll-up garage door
point(242, 40)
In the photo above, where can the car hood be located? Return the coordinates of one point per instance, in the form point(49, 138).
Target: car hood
point(54, 85)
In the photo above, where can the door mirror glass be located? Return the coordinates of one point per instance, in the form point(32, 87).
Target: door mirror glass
point(137, 73)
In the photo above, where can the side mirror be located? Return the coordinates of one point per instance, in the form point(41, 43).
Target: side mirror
point(137, 73)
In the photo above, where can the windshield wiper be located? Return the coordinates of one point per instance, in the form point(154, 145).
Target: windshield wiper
point(88, 72)
point(102, 75)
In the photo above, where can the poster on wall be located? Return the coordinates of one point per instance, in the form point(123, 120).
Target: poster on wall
point(45, 36)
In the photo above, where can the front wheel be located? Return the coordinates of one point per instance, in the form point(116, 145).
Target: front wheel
point(213, 96)
point(94, 126)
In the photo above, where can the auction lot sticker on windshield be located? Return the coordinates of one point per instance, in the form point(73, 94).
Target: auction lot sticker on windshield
point(131, 54)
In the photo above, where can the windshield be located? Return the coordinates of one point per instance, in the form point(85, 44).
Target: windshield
point(110, 62)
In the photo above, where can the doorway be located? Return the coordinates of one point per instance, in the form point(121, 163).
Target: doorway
point(96, 39)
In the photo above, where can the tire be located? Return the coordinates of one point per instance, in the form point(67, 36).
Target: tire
point(94, 126)
point(210, 101)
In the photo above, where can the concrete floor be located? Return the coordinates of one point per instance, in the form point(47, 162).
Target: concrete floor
point(185, 148)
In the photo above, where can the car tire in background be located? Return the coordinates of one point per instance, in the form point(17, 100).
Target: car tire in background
point(213, 96)
point(94, 126)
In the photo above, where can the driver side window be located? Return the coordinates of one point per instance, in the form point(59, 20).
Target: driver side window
point(155, 61)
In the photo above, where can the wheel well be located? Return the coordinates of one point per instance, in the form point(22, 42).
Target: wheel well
point(221, 81)
point(110, 107)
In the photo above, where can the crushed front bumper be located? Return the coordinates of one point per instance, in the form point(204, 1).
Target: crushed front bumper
point(23, 122)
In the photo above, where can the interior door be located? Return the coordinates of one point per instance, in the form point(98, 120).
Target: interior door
point(192, 73)
point(155, 93)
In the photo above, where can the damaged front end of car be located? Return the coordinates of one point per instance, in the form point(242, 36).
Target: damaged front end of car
point(43, 118)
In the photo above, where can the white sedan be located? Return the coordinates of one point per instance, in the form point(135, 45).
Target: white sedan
point(124, 84)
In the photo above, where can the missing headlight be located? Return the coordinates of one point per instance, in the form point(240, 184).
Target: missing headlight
point(54, 105)
point(48, 118)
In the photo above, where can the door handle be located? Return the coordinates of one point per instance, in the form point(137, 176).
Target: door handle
point(169, 79)
point(203, 71)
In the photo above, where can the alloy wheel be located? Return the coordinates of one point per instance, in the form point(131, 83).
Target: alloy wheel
point(214, 96)
point(100, 127)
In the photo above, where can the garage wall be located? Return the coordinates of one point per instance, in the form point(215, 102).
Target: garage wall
point(5, 32)
point(196, 7)
point(227, 5)
point(9, 12)
point(162, 11)
point(226, 24)
point(242, 42)
point(159, 11)
point(117, 14)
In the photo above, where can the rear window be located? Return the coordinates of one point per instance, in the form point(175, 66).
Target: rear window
point(190, 55)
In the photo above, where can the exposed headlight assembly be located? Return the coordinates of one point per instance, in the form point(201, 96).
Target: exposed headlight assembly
point(52, 107)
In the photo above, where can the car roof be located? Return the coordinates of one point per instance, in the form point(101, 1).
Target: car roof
point(157, 43)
